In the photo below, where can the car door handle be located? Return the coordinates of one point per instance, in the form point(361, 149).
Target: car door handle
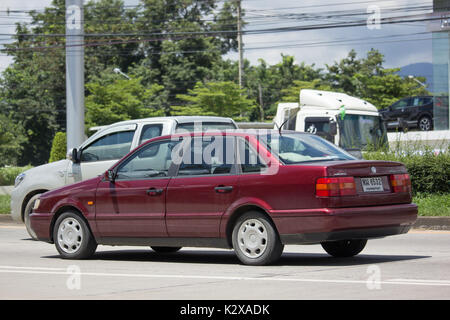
point(223, 189)
point(154, 192)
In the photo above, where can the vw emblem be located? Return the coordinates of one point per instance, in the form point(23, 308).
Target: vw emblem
point(373, 169)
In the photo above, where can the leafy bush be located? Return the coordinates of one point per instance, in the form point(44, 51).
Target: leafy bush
point(9, 174)
point(430, 172)
point(59, 147)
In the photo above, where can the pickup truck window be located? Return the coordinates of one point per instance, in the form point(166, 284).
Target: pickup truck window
point(204, 126)
point(110, 147)
point(150, 131)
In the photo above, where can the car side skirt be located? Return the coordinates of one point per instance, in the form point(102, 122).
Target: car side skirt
point(165, 242)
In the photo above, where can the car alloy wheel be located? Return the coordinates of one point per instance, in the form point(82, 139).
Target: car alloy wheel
point(425, 124)
point(255, 239)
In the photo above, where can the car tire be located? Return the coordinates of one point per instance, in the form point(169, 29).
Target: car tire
point(425, 123)
point(72, 237)
point(255, 239)
point(26, 215)
point(165, 249)
point(344, 248)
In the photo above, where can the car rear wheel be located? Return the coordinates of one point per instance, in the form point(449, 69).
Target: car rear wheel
point(73, 238)
point(166, 249)
point(26, 215)
point(255, 240)
point(344, 248)
point(425, 123)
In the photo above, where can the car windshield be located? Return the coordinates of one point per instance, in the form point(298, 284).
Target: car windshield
point(362, 132)
point(292, 148)
point(204, 126)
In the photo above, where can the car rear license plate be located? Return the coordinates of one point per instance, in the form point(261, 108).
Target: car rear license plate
point(372, 184)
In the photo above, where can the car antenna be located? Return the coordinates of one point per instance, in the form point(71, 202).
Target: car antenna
point(288, 119)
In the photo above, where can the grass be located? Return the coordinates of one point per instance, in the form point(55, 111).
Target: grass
point(4, 204)
point(433, 204)
point(429, 204)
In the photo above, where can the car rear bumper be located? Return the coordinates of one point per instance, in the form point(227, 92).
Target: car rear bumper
point(315, 226)
point(40, 223)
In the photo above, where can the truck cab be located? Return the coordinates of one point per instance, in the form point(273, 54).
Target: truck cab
point(98, 153)
point(346, 121)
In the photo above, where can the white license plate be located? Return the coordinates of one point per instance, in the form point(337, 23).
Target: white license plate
point(372, 184)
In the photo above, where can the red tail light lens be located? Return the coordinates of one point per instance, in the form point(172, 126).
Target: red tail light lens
point(335, 187)
point(401, 183)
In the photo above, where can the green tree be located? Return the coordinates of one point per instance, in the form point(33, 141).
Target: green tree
point(11, 139)
point(223, 99)
point(119, 100)
point(59, 147)
point(292, 94)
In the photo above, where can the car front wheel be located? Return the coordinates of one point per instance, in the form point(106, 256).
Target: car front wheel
point(255, 240)
point(26, 215)
point(344, 248)
point(425, 123)
point(72, 236)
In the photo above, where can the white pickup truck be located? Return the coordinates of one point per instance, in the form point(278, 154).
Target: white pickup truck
point(97, 154)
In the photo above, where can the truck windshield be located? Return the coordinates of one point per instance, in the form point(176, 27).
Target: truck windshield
point(362, 132)
point(292, 148)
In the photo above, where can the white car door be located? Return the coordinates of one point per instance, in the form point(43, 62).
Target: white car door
point(99, 155)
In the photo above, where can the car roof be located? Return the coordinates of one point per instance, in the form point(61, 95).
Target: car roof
point(179, 119)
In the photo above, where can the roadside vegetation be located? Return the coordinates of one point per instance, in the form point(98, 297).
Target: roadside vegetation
point(5, 201)
point(430, 175)
point(9, 174)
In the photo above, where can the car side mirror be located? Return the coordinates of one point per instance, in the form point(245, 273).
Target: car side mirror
point(333, 128)
point(73, 155)
point(110, 176)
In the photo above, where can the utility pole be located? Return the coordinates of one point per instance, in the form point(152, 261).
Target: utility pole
point(74, 73)
point(261, 103)
point(240, 50)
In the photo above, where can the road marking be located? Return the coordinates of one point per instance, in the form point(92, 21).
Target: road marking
point(58, 271)
point(11, 227)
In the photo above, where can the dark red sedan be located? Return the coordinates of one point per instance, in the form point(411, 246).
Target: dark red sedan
point(251, 191)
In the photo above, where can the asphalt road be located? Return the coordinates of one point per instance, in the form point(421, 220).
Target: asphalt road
point(411, 266)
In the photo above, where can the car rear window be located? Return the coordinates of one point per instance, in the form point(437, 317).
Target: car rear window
point(293, 148)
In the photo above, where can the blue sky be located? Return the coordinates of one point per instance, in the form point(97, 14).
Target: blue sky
point(401, 44)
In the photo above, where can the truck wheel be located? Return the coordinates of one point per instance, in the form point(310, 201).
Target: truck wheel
point(73, 238)
point(425, 123)
point(26, 215)
point(344, 248)
point(255, 240)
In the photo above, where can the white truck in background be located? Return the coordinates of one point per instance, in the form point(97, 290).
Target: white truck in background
point(351, 123)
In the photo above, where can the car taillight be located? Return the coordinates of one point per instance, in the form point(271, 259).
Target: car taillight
point(401, 183)
point(335, 187)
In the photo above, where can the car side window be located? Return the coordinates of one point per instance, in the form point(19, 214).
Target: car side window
point(401, 104)
point(142, 166)
point(209, 155)
point(248, 158)
point(110, 147)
